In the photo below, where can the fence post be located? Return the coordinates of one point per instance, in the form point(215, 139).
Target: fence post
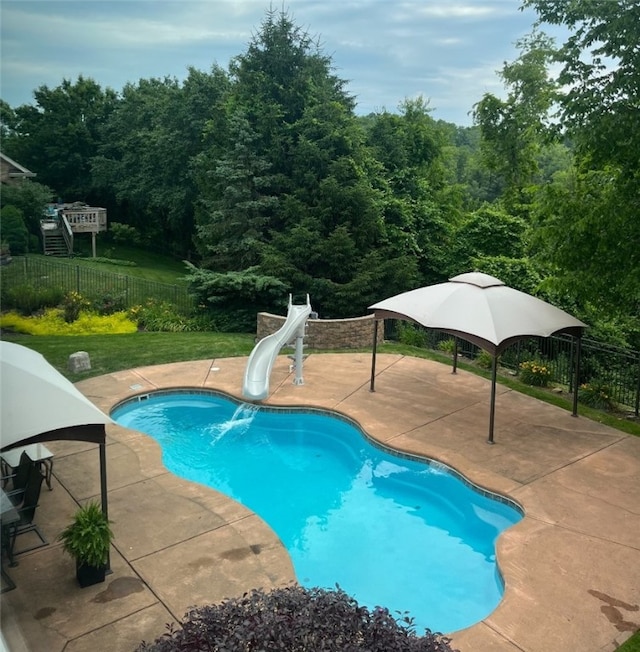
point(78, 279)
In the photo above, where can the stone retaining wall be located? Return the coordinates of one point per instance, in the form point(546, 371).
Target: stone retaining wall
point(356, 333)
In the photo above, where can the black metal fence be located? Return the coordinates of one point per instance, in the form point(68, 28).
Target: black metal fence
point(617, 368)
point(600, 363)
point(93, 283)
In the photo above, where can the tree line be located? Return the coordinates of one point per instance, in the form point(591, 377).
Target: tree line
point(263, 177)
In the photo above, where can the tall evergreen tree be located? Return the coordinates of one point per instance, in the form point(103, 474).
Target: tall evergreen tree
point(290, 181)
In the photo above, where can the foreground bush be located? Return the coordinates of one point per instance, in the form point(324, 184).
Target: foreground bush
point(54, 322)
point(162, 316)
point(27, 298)
point(294, 619)
point(597, 394)
point(533, 372)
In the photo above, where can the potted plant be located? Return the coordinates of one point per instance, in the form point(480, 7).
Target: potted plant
point(87, 539)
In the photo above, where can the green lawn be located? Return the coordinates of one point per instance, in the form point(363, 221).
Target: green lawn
point(109, 353)
point(632, 645)
point(149, 266)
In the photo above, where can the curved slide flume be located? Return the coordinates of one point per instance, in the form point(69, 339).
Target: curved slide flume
point(265, 352)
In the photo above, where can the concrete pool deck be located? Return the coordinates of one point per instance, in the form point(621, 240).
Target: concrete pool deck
point(571, 566)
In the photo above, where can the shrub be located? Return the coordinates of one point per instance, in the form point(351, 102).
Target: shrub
point(297, 620)
point(31, 199)
point(596, 394)
point(535, 373)
point(52, 322)
point(110, 261)
point(72, 304)
point(28, 299)
point(411, 335)
point(124, 233)
point(484, 359)
point(232, 299)
point(203, 323)
point(14, 229)
point(107, 303)
point(448, 346)
point(162, 316)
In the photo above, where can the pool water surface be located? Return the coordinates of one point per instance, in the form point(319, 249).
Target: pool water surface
point(391, 531)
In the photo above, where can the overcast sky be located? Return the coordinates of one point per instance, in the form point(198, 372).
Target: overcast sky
point(388, 50)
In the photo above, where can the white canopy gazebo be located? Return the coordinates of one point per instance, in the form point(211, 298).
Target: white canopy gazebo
point(39, 404)
point(480, 309)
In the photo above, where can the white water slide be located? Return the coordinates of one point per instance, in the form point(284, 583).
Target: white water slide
point(265, 352)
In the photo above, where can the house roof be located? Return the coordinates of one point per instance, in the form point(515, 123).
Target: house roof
point(15, 169)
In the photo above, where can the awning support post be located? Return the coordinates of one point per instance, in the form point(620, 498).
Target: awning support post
point(576, 378)
point(492, 411)
point(373, 356)
point(103, 490)
point(455, 356)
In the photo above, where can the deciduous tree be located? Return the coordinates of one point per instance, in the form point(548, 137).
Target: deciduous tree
point(58, 135)
point(589, 228)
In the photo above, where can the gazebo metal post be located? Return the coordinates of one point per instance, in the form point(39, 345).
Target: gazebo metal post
point(103, 490)
point(103, 479)
point(576, 378)
point(373, 356)
point(455, 356)
point(492, 409)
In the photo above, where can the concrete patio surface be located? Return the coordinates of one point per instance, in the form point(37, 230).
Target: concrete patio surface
point(571, 566)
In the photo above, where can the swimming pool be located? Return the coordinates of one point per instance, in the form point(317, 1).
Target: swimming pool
point(391, 531)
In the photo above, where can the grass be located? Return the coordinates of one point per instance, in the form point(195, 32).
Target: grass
point(632, 644)
point(110, 353)
point(148, 266)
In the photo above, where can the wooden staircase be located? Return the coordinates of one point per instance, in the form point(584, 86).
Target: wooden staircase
point(54, 241)
point(62, 221)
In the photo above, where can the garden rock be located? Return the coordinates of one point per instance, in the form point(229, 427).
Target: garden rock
point(79, 361)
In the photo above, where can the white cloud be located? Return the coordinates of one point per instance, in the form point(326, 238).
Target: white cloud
point(452, 40)
point(387, 50)
point(447, 10)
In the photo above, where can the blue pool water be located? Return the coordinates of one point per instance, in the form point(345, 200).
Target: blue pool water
point(391, 531)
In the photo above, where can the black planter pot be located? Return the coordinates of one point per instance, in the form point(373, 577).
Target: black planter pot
point(88, 575)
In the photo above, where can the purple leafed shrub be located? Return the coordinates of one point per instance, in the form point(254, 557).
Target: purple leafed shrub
point(294, 619)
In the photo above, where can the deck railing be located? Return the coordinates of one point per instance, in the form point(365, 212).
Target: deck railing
point(67, 234)
point(86, 220)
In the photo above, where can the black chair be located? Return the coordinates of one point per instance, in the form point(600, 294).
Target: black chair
point(19, 479)
point(26, 511)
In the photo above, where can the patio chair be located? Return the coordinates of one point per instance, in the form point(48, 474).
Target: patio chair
point(19, 479)
point(26, 511)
